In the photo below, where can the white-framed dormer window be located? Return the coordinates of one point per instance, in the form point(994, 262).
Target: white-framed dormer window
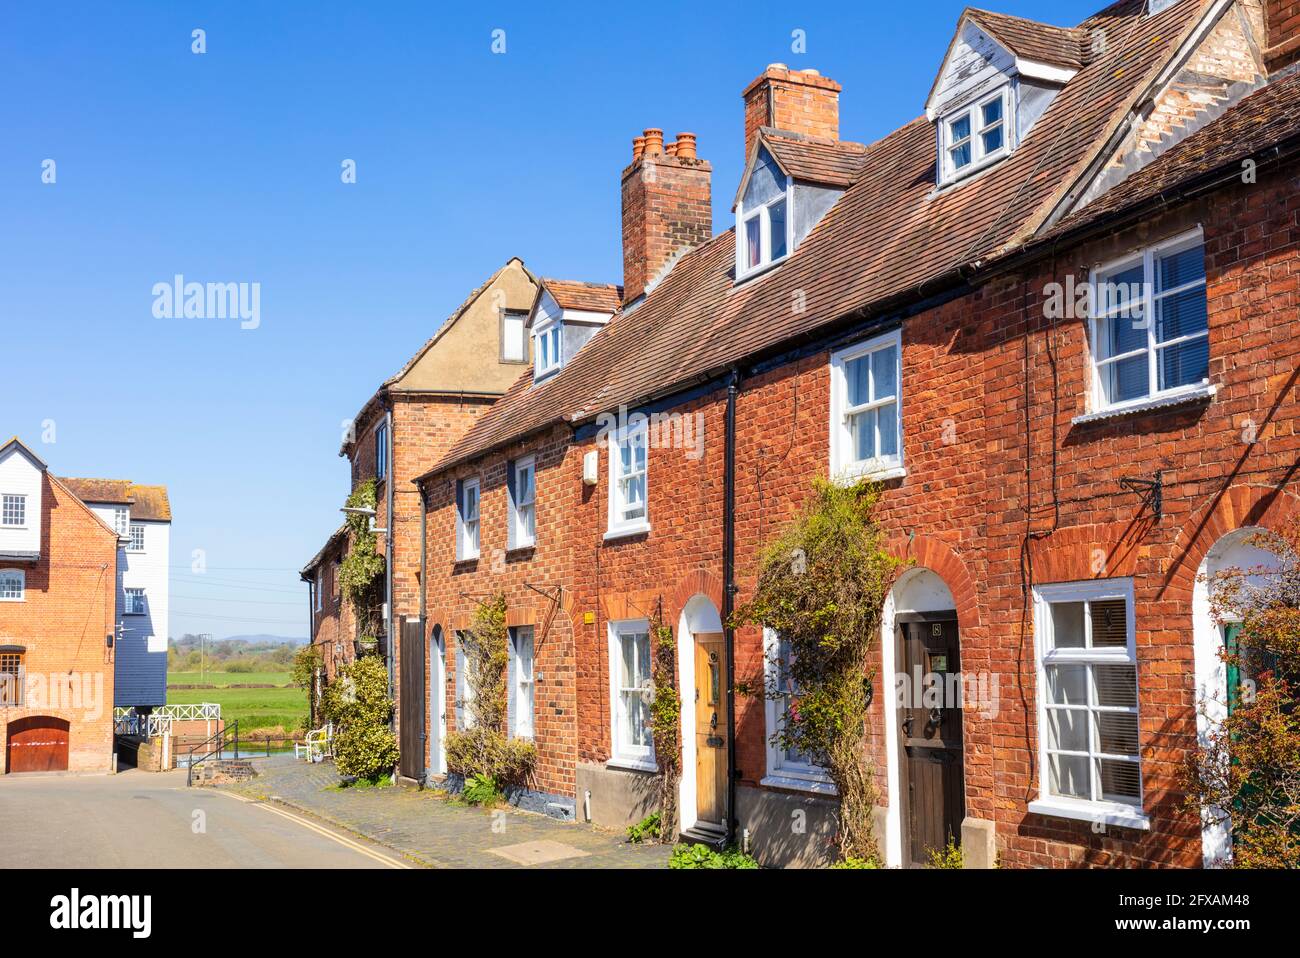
point(547, 342)
point(13, 585)
point(867, 409)
point(631, 742)
point(136, 543)
point(975, 135)
point(1150, 333)
point(628, 480)
point(764, 220)
point(522, 698)
point(1088, 732)
point(523, 506)
point(786, 767)
point(135, 602)
point(13, 510)
point(381, 451)
point(467, 524)
point(121, 521)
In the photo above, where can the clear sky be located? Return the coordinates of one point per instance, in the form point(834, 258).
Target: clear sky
point(225, 167)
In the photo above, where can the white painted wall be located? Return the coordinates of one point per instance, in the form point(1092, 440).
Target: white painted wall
point(975, 65)
point(140, 676)
point(19, 475)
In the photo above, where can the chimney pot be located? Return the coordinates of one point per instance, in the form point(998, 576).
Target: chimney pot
point(671, 149)
point(638, 147)
point(686, 146)
point(654, 141)
point(801, 101)
point(777, 66)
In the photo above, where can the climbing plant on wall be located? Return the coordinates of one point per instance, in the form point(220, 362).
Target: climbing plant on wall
point(665, 723)
point(361, 574)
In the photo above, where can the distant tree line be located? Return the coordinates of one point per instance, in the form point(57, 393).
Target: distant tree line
point(191, 652)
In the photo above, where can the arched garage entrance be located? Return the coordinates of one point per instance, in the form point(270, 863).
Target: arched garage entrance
point(38, 743)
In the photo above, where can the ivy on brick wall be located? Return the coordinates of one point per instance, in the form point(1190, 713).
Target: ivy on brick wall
point(362, 571)
point(665, 727)
point(822, 584)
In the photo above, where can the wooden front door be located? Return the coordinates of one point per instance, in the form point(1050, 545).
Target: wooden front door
point(931, 741)
point(411, 700)
point(38, 744)
point(710, 728)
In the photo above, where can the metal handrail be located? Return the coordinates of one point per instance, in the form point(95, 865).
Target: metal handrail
point(220, 739)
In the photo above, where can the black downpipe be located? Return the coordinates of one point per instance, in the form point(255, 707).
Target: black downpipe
point(728, 593)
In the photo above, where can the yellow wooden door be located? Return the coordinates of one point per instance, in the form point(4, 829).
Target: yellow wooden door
point(710, 728)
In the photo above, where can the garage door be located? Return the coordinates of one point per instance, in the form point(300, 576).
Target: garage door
point(38, 744)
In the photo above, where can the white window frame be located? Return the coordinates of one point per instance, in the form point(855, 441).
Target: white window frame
point(617, 522)
point(844, 467)
point(131, 545)
point(548, 348)
point(1099, 810)
point(520, 510)
point(21, 500)
point(465, 690)
point(320, 582)
point(523, 723)
point(381, 451)
point(763, 212)
point(1099, 314)
point(468, 530)
point(129, 606)
point(18, 575)
point(973, 110)
point(510, 317)
point(122, 521)
point(781, 771)
point(624, 754)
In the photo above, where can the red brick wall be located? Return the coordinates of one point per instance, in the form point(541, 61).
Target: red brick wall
point(67, 613)
point(1003, 492)
point(667, 207)
point(1283, 32)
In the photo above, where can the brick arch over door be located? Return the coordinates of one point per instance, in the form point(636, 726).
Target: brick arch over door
point(1269, 507)
point(927, 552)
point(699, 582)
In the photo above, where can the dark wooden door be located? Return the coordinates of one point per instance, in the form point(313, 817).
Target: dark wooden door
point(411, 700)
point(38, 744)
point(930, 729)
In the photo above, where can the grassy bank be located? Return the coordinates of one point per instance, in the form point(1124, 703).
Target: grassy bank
point(254, 709)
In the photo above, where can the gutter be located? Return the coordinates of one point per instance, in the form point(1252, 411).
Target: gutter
point(729, 594)
point(389, 481)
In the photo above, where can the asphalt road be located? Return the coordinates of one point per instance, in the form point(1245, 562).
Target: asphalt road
point(149, 820)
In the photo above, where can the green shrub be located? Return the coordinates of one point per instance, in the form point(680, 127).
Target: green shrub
point(481, 790)
point(950, 857)
point(357, 703)
point(482, 751)
point(857, 863)
point(648, 828)
point(701, 856)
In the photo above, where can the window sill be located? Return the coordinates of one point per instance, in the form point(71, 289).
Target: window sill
point(461, 560)
point(1108, 813)
point(855, 474)
point(632, 765)
point(625, 532)
point(13, 600)
point(760, 270)
point(816, 786)
point(1147, 405)
point(520, 547)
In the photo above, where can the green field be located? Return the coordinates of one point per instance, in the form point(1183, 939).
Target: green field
point(228, 678)
point(254, 709)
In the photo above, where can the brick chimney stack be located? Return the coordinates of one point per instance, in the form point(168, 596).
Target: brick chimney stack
point(1282, 33)
point(801, 101)
point(667, 206)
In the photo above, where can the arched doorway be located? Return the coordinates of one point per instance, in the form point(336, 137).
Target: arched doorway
point(921, 675)
point(1236, 550)
point(702, 792)
point(38, 743)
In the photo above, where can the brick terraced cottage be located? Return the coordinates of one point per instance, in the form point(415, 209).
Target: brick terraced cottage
point(1061, 470)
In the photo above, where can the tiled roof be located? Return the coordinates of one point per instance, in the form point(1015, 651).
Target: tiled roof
point(146, 502)
point(1059, 46)
point(890, 237)
point(593, 297)
point(330, 543)
point(816, 161)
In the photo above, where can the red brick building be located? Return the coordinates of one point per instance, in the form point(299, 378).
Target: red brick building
point(1055, 316)
point(58, 594)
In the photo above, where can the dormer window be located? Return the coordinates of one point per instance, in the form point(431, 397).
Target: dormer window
point(763, 222)
point(546, 349)
point(976, 135)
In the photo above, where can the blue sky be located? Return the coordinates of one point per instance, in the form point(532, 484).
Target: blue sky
point(225, 167)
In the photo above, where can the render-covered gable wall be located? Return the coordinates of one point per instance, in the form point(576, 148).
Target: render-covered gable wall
point(19, 475)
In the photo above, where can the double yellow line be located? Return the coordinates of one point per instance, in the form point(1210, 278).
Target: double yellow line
point(343, 840)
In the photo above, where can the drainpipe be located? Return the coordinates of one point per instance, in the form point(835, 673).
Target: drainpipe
point(311, 640)
point(388, 553)
point(728, 592)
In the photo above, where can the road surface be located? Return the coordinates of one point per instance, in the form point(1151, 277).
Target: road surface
point(149, 820)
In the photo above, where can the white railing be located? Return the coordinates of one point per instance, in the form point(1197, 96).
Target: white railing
point(159, 721)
